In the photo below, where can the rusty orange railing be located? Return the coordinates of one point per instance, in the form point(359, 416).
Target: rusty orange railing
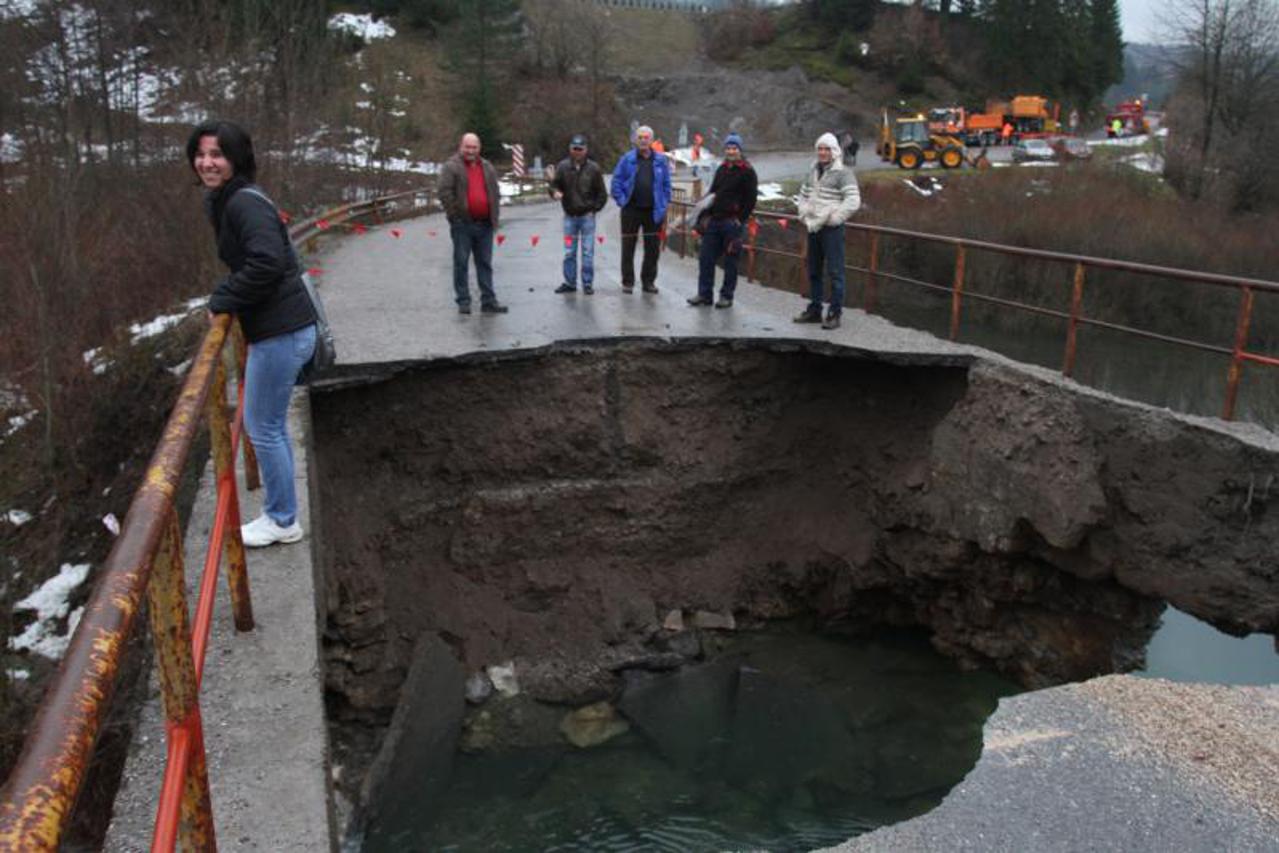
point(146, 560)
point(1237, 351)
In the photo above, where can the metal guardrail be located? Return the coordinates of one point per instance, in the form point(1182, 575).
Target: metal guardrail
point(1247, 288)
point(146, 561)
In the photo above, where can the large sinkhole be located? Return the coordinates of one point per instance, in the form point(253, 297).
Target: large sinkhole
point(677, 597)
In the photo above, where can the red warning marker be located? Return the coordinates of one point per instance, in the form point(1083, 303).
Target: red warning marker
point(315, 271)
point(285, 217)
point(753, 227)
point(501, 238)
point(395, 232)
point(359, 229)
point(533, 240)
point(568, 242)
point(783, 224)
point(322, 224)
point(601, 239)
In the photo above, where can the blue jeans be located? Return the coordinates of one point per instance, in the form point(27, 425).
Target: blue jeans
point(722, 237)
point(272, 369)
point(826, 247)
point(473, 238)
point(579, 229)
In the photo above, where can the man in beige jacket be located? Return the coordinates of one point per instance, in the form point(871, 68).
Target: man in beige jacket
point(828, 197)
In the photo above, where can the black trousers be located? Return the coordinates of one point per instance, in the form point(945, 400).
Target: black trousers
point(634, 221)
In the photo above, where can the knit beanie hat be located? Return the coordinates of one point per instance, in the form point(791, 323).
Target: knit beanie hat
point(734, 139)
point(830, 141)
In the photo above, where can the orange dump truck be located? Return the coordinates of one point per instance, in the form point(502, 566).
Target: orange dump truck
point(1029, 116)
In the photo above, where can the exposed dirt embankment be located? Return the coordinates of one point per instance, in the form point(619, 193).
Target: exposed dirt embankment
point(552, 508)
point(773, 109)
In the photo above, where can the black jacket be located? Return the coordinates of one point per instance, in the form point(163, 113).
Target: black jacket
point(736, 187)
point(583, 188)
point(265, 285)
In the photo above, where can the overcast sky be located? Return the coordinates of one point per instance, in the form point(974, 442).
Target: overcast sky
point(1139, 19)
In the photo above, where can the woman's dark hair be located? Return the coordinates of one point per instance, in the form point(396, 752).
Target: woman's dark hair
point(234, 141)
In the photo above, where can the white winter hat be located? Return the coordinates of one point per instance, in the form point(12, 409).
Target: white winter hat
point(829, 140)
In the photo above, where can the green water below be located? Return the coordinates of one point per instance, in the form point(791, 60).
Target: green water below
point(810, 741)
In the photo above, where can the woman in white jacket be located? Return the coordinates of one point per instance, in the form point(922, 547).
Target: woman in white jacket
point(827, 198)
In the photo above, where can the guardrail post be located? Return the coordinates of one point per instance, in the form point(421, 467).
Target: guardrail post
point(683, 243)
point(872, 279)
point(801, 262)
point(1236, 360)
point(237, 575)
point(957, 293)
point(171, 632)
point(1072, 327)
point(252, 478)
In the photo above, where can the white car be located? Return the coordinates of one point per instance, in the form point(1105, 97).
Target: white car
point(1033, 149)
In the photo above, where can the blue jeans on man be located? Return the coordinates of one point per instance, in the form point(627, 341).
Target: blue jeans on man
point(473, 239)
point(579, 230)
point(269, 375)
point(722, 238)
point(826, 249)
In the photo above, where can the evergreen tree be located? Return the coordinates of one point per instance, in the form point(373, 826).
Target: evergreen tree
point(1107, 44)
point(1078, 57)
point(483, 40)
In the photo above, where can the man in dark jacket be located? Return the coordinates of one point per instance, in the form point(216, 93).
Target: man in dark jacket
point(578, 185)
point(735, 189)
point(469, 195)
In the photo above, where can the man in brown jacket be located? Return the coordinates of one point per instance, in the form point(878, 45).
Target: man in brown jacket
point(469, 195)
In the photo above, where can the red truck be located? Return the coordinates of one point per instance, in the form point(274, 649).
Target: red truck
point(1128, 118)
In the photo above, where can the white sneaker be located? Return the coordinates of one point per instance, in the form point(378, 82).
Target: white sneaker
point(263, 531)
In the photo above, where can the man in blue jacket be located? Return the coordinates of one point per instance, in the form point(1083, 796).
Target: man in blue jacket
point(641, 187)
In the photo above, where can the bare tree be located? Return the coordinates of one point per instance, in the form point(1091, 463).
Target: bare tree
point(1223, 114)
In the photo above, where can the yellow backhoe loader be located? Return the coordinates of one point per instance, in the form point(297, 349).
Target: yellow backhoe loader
point(908, 143)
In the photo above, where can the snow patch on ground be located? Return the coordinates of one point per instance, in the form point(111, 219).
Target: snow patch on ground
point(50, 603)
point(927, 187)
point(1146, 161)
point(141, 331)
point(771, 192)
point(95, 360)
point(361, 26)
point(10, 146)
point(17, 517)
point(362, 152)
point(1124, 141)
point(11, 10)
point(17, 422)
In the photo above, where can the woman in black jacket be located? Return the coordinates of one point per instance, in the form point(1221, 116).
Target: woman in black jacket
point(265, 290)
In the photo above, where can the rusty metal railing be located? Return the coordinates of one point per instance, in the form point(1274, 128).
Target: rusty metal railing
point(146, 562)
point(1237, 350)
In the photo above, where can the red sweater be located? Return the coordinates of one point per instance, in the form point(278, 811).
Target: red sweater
point(477, 197)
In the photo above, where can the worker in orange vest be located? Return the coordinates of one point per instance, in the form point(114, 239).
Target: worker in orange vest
point(1007, 133)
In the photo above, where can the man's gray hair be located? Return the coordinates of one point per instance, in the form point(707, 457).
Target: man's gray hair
point(642, 128)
